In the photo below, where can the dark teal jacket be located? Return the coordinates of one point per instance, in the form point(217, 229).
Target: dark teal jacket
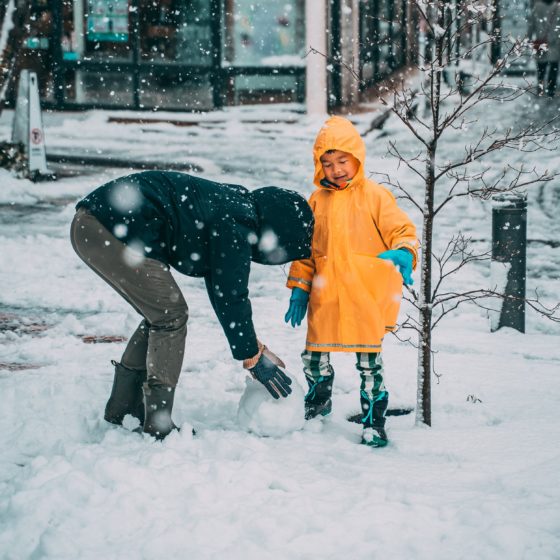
point(208, 229)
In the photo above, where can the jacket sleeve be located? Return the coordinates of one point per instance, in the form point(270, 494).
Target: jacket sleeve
point(394, 225)
point(302, 272)
point(227, 283)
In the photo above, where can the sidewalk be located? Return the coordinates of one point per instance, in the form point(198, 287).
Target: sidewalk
point(481, 483)
point(131, 139)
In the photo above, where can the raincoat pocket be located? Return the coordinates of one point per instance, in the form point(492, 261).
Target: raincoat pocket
point(383, 284)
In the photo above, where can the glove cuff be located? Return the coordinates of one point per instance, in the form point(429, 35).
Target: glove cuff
point(252, 362)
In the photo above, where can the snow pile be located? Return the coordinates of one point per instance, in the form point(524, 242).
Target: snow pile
point(482, 483)
point(262, 415)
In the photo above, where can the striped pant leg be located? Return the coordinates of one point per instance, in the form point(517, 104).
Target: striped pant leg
point(374, 396)
point(316, 365)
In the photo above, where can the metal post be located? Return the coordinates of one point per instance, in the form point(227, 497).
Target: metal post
point(509, 258)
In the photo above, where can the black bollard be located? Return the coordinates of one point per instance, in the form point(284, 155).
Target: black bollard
point(509, 258)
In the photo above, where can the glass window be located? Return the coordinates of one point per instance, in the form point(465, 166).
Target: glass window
point(160, 88)
point(37, 53)
point(106, 88)
point(264, 34)
point(106, 27)
point(176, 31)
point(266, 89)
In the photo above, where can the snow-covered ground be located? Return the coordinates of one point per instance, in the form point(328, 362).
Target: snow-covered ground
point(483, 482)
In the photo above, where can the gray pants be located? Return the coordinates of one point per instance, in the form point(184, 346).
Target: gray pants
point(158, 344)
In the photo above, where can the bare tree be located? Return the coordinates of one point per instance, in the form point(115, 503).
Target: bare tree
point(447, 106)
point(441, 101)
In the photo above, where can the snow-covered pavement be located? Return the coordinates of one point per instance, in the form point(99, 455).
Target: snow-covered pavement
point(483, 482)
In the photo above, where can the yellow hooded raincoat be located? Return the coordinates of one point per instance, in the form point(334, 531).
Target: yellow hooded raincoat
point(355, 296)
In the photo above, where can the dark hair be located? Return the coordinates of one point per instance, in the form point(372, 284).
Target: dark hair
point(548, 1)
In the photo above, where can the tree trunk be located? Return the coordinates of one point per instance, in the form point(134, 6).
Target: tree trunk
point(424, 396)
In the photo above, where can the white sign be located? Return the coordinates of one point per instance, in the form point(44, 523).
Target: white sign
point(28, 124)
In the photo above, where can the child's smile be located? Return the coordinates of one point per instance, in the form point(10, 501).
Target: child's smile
point(339, 167)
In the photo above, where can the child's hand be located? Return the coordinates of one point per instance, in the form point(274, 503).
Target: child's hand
point(298, 307)
point(402, 259)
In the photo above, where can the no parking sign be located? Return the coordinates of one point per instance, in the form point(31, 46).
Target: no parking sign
point(28, 126)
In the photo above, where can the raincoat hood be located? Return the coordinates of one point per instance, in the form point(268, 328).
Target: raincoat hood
point(338, 133)
point(285, 226)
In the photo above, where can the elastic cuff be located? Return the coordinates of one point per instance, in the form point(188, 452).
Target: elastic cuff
point(252, 362)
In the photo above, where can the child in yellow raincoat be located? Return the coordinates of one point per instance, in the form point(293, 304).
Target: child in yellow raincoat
point(350, 284)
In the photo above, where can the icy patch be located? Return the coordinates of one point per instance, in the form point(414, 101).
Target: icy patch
point(262, 415)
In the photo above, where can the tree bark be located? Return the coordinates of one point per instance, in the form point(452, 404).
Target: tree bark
point(424, 397)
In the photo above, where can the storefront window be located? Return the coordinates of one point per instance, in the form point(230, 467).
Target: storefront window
point(176, 31)
point(178, 90)
point(264, 34)
point(381, 38)
point(37, 49)
point(164, 52)
point(107, 88)
point(107, 30)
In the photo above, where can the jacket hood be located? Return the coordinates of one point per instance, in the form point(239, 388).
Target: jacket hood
point(285, 226)
point(338, 133)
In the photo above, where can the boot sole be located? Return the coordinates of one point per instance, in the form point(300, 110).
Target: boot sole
point(375, 442)
point(325, 411)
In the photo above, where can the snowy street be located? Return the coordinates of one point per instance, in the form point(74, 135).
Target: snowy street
point(483, 482)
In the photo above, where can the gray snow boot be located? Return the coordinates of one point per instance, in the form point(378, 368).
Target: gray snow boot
point(126, 395)
point(158, 403)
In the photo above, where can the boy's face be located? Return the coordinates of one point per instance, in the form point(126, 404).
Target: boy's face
point(339, 167)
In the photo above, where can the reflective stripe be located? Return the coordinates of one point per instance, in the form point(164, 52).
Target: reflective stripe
point(343, 345)
point(300, 280)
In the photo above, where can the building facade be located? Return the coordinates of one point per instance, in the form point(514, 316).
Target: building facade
point(206, 54)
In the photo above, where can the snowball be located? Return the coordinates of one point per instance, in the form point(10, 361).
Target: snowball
point(262, 415)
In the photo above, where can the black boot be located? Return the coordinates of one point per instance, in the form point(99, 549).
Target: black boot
point(373, 421)
point(126, 394)
point(318, 399)
point(158, 403)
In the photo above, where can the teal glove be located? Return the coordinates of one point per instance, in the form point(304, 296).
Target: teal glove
point(298, 307)
point(402, 259)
